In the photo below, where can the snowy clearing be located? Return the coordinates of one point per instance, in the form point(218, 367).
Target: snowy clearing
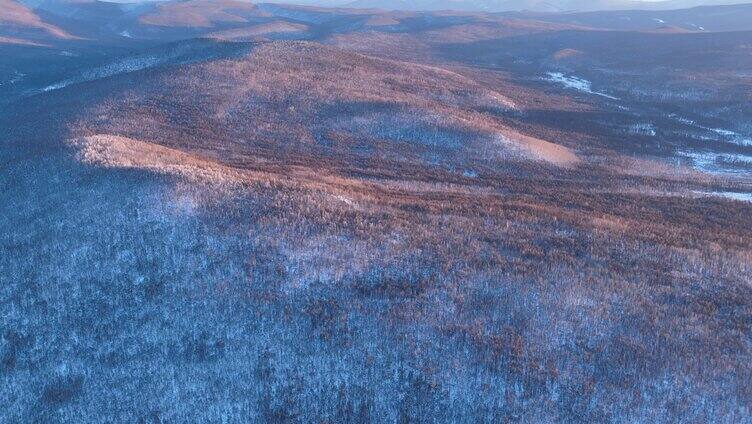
point(575, 83)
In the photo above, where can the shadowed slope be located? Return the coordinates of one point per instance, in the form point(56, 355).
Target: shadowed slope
point(264, 31)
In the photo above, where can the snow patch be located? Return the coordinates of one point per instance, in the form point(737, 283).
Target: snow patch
point(344, 199)
point(719, 163)
point(721, 131)
point(729, 136)
point(57, 86)
point(733, 195)
point(16, 77)
point(575, 83)
point(642, 129)
point(681, 119)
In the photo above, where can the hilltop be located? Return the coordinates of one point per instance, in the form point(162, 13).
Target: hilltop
point(20, 25)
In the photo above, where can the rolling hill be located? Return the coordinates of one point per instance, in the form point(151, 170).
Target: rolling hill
point(200, 13)
point(20, 25)
point(274, 106)
point(696, 19)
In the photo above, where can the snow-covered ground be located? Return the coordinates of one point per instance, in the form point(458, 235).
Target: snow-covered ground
point(642, 129)
point(575, 83)
point(719, 163)
point(726, 135)
point(14, 78)
point(187, 53)
point(131, 64)
point(731, 136)
point(711, 161)
point(742, 197)
point(124, 66)
point(681, 119)
point(58, 85)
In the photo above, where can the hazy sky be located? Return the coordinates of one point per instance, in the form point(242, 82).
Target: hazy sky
point(494, 4)
point(595, 3)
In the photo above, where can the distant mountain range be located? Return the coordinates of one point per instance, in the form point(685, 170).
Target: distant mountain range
point(50, 22)
point(432, 5)
point(518, 5)
point(533, 5)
